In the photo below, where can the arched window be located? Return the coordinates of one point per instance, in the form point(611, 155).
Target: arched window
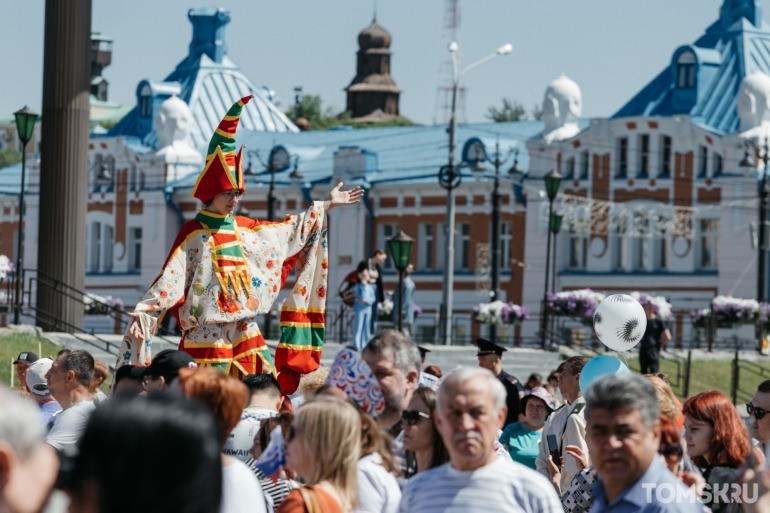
point(145, 102)
point(685, 70)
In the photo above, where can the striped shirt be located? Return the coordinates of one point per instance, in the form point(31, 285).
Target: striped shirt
point(277, 490)
point(501, 486)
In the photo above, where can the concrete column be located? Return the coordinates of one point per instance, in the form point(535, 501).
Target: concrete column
point(64, 163)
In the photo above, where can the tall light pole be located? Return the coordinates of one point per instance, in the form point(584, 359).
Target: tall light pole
point(750, 161)
point(25, 126)
point(449, 178)
point(474, 151)
point(552, 184)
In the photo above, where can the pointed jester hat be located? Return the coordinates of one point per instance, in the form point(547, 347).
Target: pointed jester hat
point(223, 170)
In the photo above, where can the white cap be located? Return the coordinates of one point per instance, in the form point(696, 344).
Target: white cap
point(36, 381)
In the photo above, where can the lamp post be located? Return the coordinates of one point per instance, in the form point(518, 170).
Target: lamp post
point(25, 126)
point(552, 184)
point(278, 160)
point(400, 247)
point(554, 225)
point(449, 178)
point(750, 161)
point(476, 152)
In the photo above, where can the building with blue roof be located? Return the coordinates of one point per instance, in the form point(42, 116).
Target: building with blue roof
point(653, 198)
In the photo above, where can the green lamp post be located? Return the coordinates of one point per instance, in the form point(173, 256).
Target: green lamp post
point(552, 184)
point(400, 247)
point(25, 126)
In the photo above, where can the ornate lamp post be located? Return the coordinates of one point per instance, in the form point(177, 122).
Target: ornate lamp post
point(552, 184)
point(750, 161)
point(400, 247)
point(555, 226)
point(449, 178)
point(25, 126)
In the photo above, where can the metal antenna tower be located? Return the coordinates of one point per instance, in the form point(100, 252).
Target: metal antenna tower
point(443, 106)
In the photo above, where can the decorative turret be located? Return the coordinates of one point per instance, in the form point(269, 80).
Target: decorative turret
point(373, 90)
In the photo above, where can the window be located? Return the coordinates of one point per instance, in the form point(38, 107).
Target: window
point(425, 251)
point(578, 249)
point(569, 171)
point(620, 248)
point(703, 161)
point(662, 256)
point(584, 165)
point(665, 157)
point(506, 240)
point(462, 246)
point(145, 102)
point(641, 254)
point(708, 253)
point(109, 244)
point(95, 248)
point(135, 249)
point(387, 231)
point(622, 158)
point(644, 156)
point(718, 164)
point(685, 70)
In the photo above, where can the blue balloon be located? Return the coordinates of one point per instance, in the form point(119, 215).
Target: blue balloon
point(600, 366)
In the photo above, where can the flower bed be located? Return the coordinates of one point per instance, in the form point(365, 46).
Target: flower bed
point(101, 305)
point(660, 306)
point(580, 304)
point(499, 313)
point(729, 311)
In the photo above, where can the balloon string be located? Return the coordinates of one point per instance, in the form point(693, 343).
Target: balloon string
point(624, 355)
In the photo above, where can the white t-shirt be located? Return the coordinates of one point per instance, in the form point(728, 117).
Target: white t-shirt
point(241, 492)
point(378, 490)
point(68, 425)
point(500, 486)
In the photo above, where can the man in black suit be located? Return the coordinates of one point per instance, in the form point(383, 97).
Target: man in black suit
point(490, 357)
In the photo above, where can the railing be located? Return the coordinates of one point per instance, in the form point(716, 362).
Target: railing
point(36, 282)
point(742, 369)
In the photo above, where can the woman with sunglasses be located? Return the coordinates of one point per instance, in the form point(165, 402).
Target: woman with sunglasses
point(224, 270)
point(323, 447)
point(671, 450)
point(717, 442)
point(424, 447)
point(523, 438)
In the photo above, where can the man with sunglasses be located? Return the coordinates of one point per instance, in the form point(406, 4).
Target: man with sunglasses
point(759, 420)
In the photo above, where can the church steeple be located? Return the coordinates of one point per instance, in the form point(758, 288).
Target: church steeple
point(734, 10)
point(373, 89)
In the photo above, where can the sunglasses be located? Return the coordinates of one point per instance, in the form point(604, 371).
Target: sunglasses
point(757, 412)
point(670, 450)
point(411, 417)
point(233, 194)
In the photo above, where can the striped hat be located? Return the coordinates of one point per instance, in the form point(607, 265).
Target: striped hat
point(223, 170)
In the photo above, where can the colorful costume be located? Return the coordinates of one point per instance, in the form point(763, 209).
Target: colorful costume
point(224, 270)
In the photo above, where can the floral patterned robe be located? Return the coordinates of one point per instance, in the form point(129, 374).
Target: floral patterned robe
point(222, 271)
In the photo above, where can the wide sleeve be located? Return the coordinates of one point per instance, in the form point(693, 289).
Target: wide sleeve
point(293, 503)
point(302, 314)
point(166, 292)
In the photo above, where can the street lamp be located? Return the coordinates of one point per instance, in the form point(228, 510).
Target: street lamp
point(552, 184)
point(749, 160)
point(400, 247)
point(474, 151)
point(555, 227)
point(449, 178)
point(25, 126)
point(278, 160)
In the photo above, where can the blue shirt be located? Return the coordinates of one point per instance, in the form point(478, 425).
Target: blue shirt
point(523, 444)
point(657, 491)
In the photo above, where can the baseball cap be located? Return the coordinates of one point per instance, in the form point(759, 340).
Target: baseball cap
point(167, 364)
point(27, 357)
point(36, 381)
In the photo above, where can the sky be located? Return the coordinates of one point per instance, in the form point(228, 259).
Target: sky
point(611, 48)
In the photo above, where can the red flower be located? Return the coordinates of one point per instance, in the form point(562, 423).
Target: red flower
point(324, 265)
point(228, 304)
point(163, 293)
point(321, 291)
point(269, 264)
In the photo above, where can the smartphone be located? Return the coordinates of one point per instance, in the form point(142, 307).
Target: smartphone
point(553, 449)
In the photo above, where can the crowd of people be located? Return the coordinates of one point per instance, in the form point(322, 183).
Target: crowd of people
point(626, 444)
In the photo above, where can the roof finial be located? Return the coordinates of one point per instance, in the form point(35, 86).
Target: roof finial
point(374, 14)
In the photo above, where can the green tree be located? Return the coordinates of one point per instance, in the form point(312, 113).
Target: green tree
point(311, 108)
point(510, 111)
point(537, 112)
point(9, 157)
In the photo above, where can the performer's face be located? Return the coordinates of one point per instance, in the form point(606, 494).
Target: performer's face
point(226, 202)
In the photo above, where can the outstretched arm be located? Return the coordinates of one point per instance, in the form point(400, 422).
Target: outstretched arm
point(340, 198)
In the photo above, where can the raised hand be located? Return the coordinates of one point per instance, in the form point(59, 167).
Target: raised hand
point(135, 328)
point(340, 198)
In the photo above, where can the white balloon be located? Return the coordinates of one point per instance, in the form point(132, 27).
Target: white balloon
point(619, 322)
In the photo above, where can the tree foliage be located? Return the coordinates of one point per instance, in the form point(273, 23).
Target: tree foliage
point(9, 156)
point(513, 111)
point(311, 108)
